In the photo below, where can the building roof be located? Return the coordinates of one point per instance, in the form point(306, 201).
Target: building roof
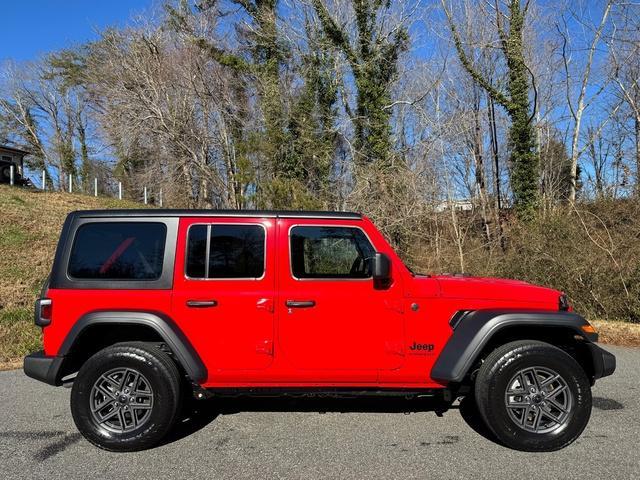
point(14, 150)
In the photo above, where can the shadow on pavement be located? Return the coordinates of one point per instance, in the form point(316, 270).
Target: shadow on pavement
point(470, 414)
point(602, 403)
point(198, 414)
point(194, 416)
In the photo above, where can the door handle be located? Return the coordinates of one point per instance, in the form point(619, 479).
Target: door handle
point(300, 303)
point(201, 303)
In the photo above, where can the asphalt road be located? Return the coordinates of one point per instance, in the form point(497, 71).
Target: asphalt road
point(38, 440)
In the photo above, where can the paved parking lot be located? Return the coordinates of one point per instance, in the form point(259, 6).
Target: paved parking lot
point(290, 439)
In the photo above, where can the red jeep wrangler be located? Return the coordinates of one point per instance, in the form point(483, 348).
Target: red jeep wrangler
point(145, 307)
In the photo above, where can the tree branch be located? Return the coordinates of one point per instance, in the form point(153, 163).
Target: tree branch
point(335, 33)
point(497, 95)
point(249, 6)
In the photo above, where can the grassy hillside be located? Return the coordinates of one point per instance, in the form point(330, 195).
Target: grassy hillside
point(30, 222)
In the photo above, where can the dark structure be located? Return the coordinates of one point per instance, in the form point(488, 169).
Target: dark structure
point(12, 156)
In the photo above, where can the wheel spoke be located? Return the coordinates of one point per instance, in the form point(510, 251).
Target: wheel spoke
point(549, 381)
point(536, 420)
point(109, 415)
point(99, 407)
point(123, 380)
point(556, 391)
point(141, 406)
point(105, 391)
point(534, 376)
point(557, 405)
point(109, 382)
point(550, 415)
point(525, 415)
point(134, 383)
point(121, 419)
point(522, 390)
point(142, 395)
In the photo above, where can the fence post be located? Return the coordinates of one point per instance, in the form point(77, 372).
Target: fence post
point(44, 179)
point(119, 190)
point(11, 175)
point(95, 187)
point(145, 195)
point(160, 195)
point(70, 184)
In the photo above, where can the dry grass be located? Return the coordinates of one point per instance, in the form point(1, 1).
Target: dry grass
point(618, 333)
point(30, 223)
point(10, 365)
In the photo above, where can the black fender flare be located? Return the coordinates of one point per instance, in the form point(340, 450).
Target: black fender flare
point(164, 326)
point(476, 328)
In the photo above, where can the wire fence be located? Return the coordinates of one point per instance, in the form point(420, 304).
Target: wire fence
point(44, 180)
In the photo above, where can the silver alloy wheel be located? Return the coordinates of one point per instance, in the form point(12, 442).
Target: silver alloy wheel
point(121, 400)
point(538, 400)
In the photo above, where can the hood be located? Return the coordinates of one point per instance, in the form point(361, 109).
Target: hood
point(487, 288)
point(483, 290)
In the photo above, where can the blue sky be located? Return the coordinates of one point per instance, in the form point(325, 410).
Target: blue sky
point(33, 27)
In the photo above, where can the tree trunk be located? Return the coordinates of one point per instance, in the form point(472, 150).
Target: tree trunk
point(478, 156)
point(579, 110)
point(574, 152)
point(637, 133)
point(493, 131)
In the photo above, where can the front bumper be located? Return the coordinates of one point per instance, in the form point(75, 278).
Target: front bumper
point(41, 367)
point(604, 363)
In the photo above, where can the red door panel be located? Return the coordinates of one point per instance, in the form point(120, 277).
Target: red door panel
point(230, 321)
point(340, 330)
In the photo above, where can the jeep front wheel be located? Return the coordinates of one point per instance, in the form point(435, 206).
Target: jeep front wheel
point(533, 396)
point(126, 397)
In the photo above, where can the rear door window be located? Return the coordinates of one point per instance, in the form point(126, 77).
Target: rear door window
point(118, 251)
point(225, 251)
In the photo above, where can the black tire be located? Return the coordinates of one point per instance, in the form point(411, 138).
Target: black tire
point(517, 427)
point(157, 374)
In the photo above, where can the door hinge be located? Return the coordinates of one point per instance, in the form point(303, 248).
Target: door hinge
point(266, 347)
point(395, 305)
point(265, 304)
point(394, 348)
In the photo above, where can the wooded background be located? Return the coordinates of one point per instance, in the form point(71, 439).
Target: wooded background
point(497, 137)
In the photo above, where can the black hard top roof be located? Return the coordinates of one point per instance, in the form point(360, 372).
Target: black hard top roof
point(154, 212)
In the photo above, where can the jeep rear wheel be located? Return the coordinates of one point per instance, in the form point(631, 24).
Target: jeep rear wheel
point(533, 396)
point(126, 397)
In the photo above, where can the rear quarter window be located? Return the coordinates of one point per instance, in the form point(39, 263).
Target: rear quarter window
point(118, 251)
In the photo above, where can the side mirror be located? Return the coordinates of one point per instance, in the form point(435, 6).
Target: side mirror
point(381, 269)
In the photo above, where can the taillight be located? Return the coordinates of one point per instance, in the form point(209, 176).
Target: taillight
point(44, 312)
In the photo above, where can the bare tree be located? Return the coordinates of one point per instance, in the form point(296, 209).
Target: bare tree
point(49, 116)
point(578, 105)
point(624, 50)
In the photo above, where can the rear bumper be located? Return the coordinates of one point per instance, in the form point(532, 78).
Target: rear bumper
point(604, 363)
point(46, 369)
